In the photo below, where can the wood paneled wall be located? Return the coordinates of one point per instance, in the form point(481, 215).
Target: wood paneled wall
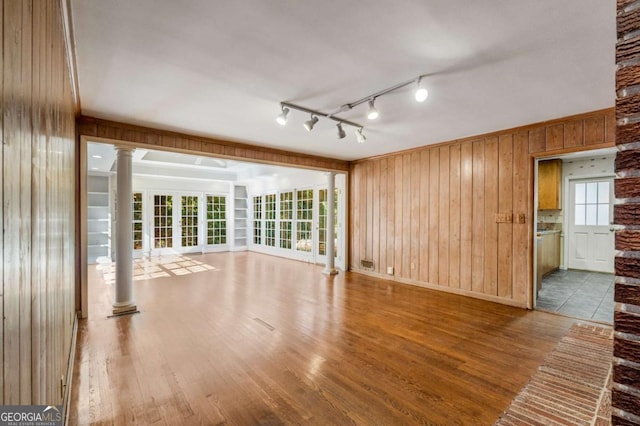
point(38, 189)
point(458, 216)
point(111, 132)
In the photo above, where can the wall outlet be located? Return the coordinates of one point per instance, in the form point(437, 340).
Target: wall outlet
point(390, 270)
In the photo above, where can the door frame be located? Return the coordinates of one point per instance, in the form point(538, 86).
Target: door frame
point(176, 227)
point(566, 205)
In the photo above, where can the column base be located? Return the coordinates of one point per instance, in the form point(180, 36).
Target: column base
point(124, 308)
point(332, 271)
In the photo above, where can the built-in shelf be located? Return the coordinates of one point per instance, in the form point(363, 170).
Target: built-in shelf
point(240, 214)
point(98, 224)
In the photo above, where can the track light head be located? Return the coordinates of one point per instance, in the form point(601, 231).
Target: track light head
point(421, 93)
point(359, 136)
point(310, 123)
point(341, 132)
point(373, 112)
point(282, 118)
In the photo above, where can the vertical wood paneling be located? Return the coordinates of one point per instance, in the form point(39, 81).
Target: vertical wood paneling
point(2, 138)
point(434, 211)
point(406, 216)
point(368, 196)
point(490, 210)
point(375, 200)
point(454, 216)
point(391, 206)
point(505, 206)
point(399, 199)
point(458, 215)
point(443, 222)
point(38, 185)
point(521, 206)
point(466, 214)
point(478, 229)
point(415, 215)
point(363, 213)
point(382, 197)
point(424, 215)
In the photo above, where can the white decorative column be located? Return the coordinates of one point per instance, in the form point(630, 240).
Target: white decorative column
point(123, 302)
point(329, 268)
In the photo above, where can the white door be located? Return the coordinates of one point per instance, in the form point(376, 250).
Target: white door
point(591, 236)
point(175, 223)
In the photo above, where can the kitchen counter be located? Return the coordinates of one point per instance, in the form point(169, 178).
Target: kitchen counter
point(553, 231)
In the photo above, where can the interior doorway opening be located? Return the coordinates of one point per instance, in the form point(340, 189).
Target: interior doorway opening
point(186, 204)
point(574, 236)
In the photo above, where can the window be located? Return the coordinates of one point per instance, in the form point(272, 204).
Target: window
point(270, 220)
point(286, 219)
point(163, 221)
point(137, 220)
point(304, 216)
point(257, 219)
point(592, 203)
point(216, 219)
point(322, 222)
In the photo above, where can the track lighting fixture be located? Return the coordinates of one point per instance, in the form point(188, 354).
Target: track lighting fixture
point(420, 94)
point(282, 118)
point(310, 123)
point(373, 112)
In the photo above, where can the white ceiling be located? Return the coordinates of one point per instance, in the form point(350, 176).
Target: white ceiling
point(220, 68)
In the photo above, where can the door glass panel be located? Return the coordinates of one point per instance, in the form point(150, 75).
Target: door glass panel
point(580, 193)
point(304, 216)
point(270, 220)
point(189, 221)
point(592, 192)
point(257, 219)
point(603, 214)
point(603, 192)
point(322, 223)
point(592, 203)
point(216, 219)
point(162, 221)
point(286, 218)
point(137, 220)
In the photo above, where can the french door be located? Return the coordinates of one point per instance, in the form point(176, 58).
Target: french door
point(175, 224)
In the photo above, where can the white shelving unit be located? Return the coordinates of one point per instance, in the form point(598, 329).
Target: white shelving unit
point(98, 223)
point(240, 217)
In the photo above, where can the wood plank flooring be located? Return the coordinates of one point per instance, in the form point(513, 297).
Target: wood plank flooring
point(245, 338)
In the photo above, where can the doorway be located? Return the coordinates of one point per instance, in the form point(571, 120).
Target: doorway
point(574, 240)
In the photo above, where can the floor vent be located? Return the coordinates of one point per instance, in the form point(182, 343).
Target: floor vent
point(266, 324)
point(366, 264)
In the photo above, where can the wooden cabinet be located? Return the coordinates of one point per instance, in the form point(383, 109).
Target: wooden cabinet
point(549, 184)
point(548, 251)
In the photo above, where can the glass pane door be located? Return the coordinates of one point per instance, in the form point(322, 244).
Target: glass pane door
point(162, 221)
point(189, 221)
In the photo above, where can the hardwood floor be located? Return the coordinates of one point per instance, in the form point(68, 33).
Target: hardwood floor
point(244, 338)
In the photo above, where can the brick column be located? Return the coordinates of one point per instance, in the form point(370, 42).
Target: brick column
point(626, 363)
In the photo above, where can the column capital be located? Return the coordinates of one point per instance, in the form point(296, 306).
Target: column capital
point(124, 148)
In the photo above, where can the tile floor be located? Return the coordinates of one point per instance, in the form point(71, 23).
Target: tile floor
point(578, 294)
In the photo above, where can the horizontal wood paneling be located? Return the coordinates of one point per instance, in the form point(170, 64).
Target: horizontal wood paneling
point(155, 138)
point(38, 188)
point(466, 208)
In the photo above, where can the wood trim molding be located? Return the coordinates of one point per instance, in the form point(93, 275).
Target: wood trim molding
point(70, 47)
point(114, 132)
point(541, 132)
